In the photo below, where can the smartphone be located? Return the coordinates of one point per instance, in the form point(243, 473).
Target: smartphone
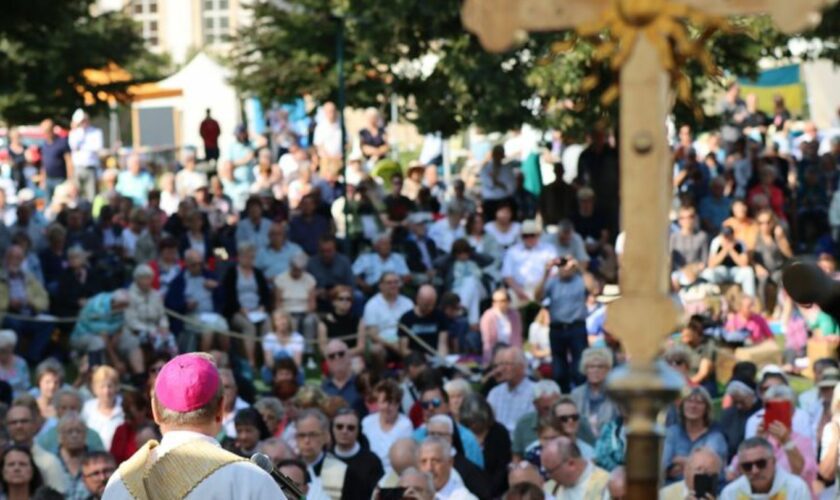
point(562, 262)
point(391, 493)
point(705, 484)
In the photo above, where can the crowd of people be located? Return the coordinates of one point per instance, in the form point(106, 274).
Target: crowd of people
point(380, 333)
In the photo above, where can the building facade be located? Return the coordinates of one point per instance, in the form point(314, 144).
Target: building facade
point(181, 28)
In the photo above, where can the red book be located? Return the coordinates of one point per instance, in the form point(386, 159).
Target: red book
point(778, 411)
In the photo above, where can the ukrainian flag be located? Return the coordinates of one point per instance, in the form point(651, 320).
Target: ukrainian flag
point(785, 81)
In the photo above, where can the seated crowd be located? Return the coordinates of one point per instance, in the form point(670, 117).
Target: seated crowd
point(376, 329)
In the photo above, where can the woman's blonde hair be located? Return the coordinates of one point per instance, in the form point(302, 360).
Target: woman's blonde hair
point(104, 373)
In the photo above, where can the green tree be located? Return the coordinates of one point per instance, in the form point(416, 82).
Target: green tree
point(46, 45)
point(420, 50)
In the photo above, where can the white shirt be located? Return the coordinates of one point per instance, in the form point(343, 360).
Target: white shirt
point(52, 471)
point(454, 489)
point(510, 405)
point(328, 137)
point(444, 236)
point(527, 265)
point(103, 425)
point(236, 481)
point(370, 266)
point(785, 485)
point(578, 491)
point(506, 239)
point(385, 316)
point(85, 145)
point(381, 441)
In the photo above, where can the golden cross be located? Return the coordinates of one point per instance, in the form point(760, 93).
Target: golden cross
point(644, 30)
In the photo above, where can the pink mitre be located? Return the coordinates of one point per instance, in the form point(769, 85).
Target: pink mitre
point(187, 383)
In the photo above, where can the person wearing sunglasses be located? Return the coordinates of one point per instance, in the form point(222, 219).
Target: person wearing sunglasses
point(362, 465)
point(761, 477)
point(435, 401)
point(792, 451)
point(341, 321)
point(568, 423)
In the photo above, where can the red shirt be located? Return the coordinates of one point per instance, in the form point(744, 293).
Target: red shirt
point(210, 132)
point(124, 443)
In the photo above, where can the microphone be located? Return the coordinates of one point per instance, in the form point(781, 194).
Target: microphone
point(262, 461)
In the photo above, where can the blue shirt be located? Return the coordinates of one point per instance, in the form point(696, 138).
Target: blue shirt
point(678, 444)
point(348, 392)
point(472, 450)
point(371, 267)
point(715, 210)
point(95, 317)
point(52, 158)
point(273, 262)
point(136, 187)
point(566, 299)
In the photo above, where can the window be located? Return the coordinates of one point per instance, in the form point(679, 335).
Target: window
point(138, 7)
point(208, 5)
point(223, 22)
point(223, 4)
point(153, 6)
point(208, 23)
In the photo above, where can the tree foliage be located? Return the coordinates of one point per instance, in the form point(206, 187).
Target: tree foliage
point(45, 45)
point(421, 51)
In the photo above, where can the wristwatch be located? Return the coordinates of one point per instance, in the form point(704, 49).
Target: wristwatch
point(789, 445)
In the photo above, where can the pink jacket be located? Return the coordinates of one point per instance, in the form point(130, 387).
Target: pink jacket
point(755, 324)
point(490, 332)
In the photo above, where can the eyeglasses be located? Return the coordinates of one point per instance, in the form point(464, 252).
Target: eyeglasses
point(442, 435)
point(432, 403)
point(336, 355)
point(343, 299)
point(574, 417)
point(101, 472)
point(529, 236)
point(307, 435)
point(760, 464)
point(20, 421)
point(345, 427)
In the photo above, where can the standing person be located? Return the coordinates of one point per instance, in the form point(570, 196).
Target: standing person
point(189, 462)
point(497, 181)
point(86, 141)
point(566, 293)
point(327, 138)
point(524, 264)
point(56, 159)
point(210, 131)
